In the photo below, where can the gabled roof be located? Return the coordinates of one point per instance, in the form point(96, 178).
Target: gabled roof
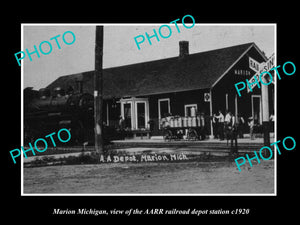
point(194, 71)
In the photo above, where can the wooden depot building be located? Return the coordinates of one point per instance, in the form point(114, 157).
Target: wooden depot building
point(201, 81)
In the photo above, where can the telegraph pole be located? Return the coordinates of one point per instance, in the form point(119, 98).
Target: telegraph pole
point(265, 113)
point(98, 90)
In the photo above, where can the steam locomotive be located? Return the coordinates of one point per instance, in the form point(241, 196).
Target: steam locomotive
point(46, 112)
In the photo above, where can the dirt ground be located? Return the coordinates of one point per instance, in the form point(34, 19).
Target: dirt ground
point(151, 178)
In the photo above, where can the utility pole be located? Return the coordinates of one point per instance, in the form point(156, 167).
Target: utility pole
point(98, 90)
point(265, 113)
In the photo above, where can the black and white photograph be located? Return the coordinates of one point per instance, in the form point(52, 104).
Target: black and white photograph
point(130, 109)
point(150, 114)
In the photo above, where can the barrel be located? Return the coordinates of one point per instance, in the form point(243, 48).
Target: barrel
point(184, 121)
point(175, 122)
point(172, 122)
point(194, 121)
point(198, 121)
point(179, 121)
point(189, 121)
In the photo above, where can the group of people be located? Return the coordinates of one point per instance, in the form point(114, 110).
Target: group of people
point(229, 122)
point(231, 127)
point(228, 127)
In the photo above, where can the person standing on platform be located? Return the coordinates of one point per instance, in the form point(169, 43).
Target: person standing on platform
point(227, 117)
point(215, 121)
point(240, 122)
point(203, 126)
point(220, 128)
point(121, 127)
point(226, 125)
point(251, 126)
point(233, 134)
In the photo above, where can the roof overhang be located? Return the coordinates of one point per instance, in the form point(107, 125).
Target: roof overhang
point(238, 59)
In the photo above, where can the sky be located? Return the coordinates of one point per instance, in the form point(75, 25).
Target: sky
point(119, 47)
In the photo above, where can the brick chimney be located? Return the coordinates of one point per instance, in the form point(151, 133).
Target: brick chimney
point(183, 49)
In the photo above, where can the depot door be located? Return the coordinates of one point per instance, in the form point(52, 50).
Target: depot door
point(256, 109)
point(141, 115)
point(163, 108)
point(127, 115)
point(135, 112)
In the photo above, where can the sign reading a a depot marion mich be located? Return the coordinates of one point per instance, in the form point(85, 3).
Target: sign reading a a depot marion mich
point(142, 158)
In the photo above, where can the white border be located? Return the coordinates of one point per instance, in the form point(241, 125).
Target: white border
point(275, 111)
point(22, 111)
point(146, 194)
